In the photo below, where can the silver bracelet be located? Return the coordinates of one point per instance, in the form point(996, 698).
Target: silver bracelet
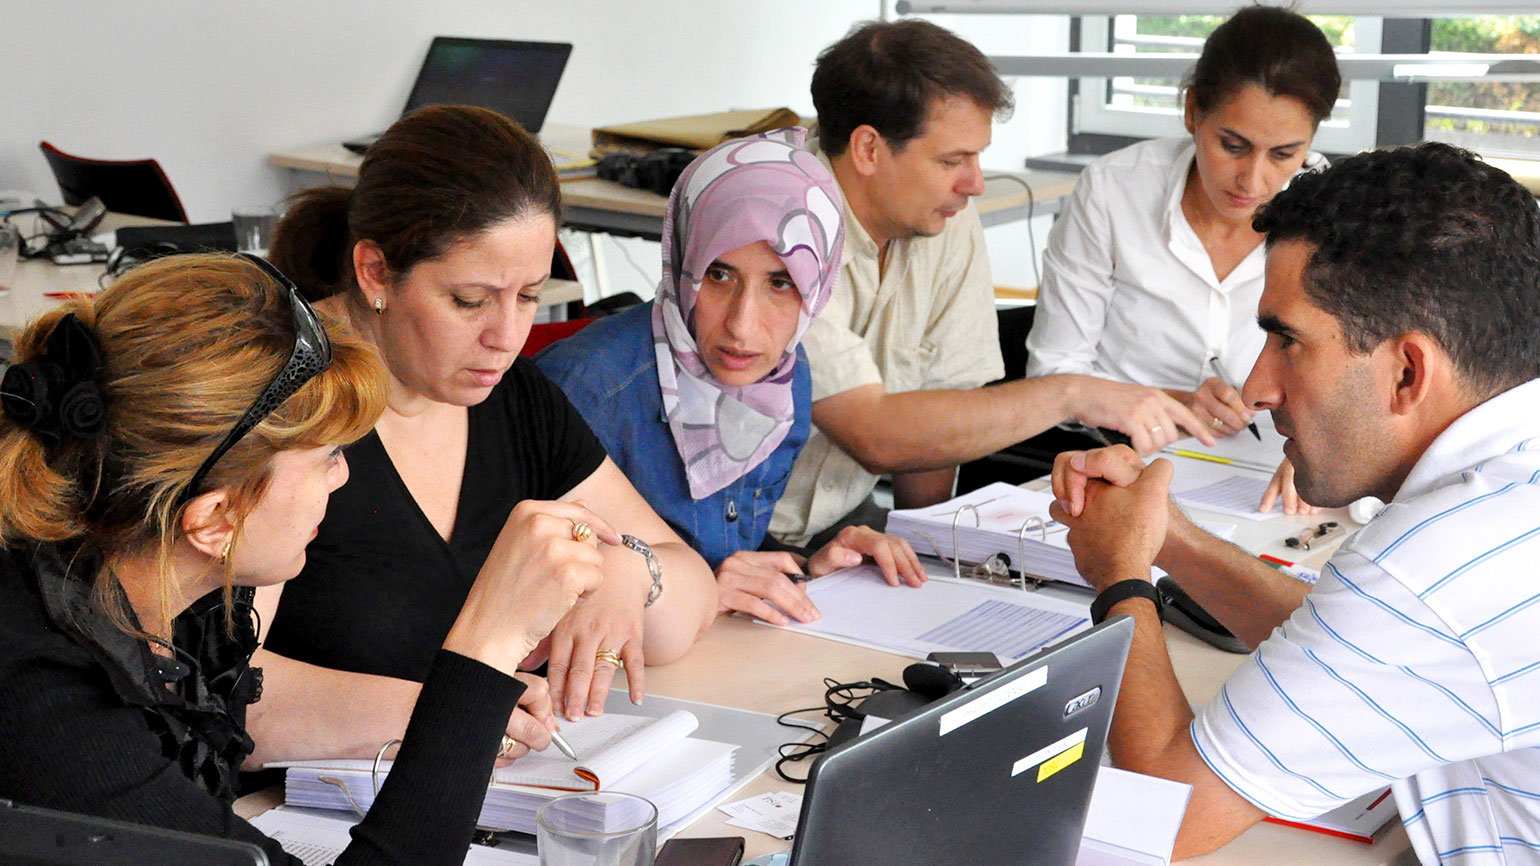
point(654, 567)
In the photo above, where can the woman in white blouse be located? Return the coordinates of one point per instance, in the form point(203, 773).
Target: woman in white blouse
point(1153, 273)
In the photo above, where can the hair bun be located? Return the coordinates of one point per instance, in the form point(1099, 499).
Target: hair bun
point(24, 393)
point(57, 395)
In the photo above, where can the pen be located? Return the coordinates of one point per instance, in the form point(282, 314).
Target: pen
point(1228, 461)
point(561, 743)
point(1224, 377)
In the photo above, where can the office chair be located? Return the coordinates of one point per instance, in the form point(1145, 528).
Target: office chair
point(131, 186)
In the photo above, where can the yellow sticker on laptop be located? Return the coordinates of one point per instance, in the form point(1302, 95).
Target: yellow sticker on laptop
point(1053, 757)
point(1061, 760)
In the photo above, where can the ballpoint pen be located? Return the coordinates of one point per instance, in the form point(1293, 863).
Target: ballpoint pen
point(1225, 377)
point(561, 743)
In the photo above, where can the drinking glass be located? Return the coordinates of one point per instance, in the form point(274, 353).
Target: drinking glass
point(599, 828)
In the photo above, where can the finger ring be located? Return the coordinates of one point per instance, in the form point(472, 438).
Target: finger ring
point(1156, 429)
point(509, 744)
point(609, 657)
point(1217, 423)
point(581, 531)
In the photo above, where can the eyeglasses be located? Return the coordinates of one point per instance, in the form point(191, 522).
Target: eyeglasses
point(312, 354)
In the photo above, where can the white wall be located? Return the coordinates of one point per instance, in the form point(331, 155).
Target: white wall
point(210, 87)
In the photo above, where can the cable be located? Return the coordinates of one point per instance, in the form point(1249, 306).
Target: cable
point(1031, 206)
point(839, 706)
point(646, 280)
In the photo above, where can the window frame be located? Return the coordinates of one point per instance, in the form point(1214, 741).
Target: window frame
point(1093, 122)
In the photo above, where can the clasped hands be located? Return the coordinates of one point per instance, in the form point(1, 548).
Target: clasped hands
point(1117, 509)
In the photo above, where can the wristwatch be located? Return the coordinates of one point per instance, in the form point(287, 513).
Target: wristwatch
point(654, 568)
point(1121, 591)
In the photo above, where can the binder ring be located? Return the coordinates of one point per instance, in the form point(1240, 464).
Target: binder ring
point(1028, 584)
point(956, 558)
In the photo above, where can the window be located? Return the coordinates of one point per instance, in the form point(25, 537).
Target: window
point(1498, 118)
point(1148, 108)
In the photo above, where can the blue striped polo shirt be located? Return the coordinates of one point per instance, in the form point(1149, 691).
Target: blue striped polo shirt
point(1415, 661)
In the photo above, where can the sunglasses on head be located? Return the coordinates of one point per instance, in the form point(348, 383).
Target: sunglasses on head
point(312, 354)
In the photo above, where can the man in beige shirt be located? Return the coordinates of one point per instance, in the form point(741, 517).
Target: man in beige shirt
point(900, 352)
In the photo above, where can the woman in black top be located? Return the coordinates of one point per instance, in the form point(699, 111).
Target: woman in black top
point(437, 257)
point(167, 447)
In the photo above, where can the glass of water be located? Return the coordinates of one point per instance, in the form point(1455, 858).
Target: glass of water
point(599, 828)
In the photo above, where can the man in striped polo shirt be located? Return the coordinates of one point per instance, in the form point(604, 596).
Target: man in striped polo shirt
point(1402, 307)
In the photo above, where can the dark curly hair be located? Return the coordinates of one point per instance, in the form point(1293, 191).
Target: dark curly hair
point(887, 73)
point(1427, 239)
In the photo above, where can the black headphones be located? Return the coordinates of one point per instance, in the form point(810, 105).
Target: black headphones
point(655, 170)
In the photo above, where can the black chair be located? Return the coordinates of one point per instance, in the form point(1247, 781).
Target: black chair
point(131, 186)
point(1032, 458)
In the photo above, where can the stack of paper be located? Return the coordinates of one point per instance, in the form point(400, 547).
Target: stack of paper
point(1360, 820)
point(654, 758)
point(1002, 510)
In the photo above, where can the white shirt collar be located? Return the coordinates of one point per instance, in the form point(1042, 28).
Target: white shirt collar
point(1503, 423)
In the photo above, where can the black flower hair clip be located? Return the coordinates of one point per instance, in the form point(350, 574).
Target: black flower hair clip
point(56, 395)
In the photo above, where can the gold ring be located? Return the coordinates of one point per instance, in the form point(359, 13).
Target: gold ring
point(1217, 423)
point(609, 657)
point(581, 531)
point(1156, 429)
point(506, 749)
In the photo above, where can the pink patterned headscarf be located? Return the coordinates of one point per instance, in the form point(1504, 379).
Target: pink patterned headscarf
point(762, 188)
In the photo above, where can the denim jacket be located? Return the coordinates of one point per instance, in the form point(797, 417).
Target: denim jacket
point(610, 373)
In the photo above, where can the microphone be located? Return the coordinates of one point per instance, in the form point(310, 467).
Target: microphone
point(931, 680)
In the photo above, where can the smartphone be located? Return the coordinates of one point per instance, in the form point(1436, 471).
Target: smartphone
point(86, 216)
point(967, 666)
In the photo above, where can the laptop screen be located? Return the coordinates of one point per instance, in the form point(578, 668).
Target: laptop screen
point(517, 79)
point(33, 836)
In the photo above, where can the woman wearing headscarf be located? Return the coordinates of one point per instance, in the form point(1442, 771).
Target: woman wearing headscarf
point(703, 397)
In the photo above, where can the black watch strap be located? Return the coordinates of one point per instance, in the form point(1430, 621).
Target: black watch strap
point(1121, 591)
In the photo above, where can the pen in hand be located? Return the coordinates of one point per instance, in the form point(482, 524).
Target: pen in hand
point(1224, 377)
point(561, 743)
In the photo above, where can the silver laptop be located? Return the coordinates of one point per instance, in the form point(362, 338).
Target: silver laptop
point(516, 79)
point(998, 773)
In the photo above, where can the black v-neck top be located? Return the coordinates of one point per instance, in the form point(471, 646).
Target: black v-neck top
point(381, 588)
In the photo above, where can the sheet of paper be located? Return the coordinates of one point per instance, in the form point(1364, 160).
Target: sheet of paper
point(1237, 495)
point(774, 814)
point(1133, 818)
point(318, 839)
point(857, 606)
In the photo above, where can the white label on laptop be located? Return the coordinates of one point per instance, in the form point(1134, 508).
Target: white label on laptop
point(988, 703)
point(1074, 742)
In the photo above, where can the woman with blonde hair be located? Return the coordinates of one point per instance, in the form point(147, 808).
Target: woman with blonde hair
point(166, 447)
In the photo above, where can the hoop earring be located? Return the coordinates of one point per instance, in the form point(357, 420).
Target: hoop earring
point(224, 555)
point(379, 306)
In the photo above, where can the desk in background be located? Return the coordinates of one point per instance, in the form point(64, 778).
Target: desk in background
point(597, 205)
point(37, 279)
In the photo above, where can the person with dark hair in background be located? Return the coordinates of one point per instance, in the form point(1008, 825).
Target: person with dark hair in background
point(1401, 309)
point(437, 258)
point(702, 397)
point(904, 110)
point(168, 445)
point(1153, 272)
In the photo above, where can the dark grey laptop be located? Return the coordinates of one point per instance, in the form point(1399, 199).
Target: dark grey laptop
point(31, 836)
point(517, 79)
point(998, 773)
